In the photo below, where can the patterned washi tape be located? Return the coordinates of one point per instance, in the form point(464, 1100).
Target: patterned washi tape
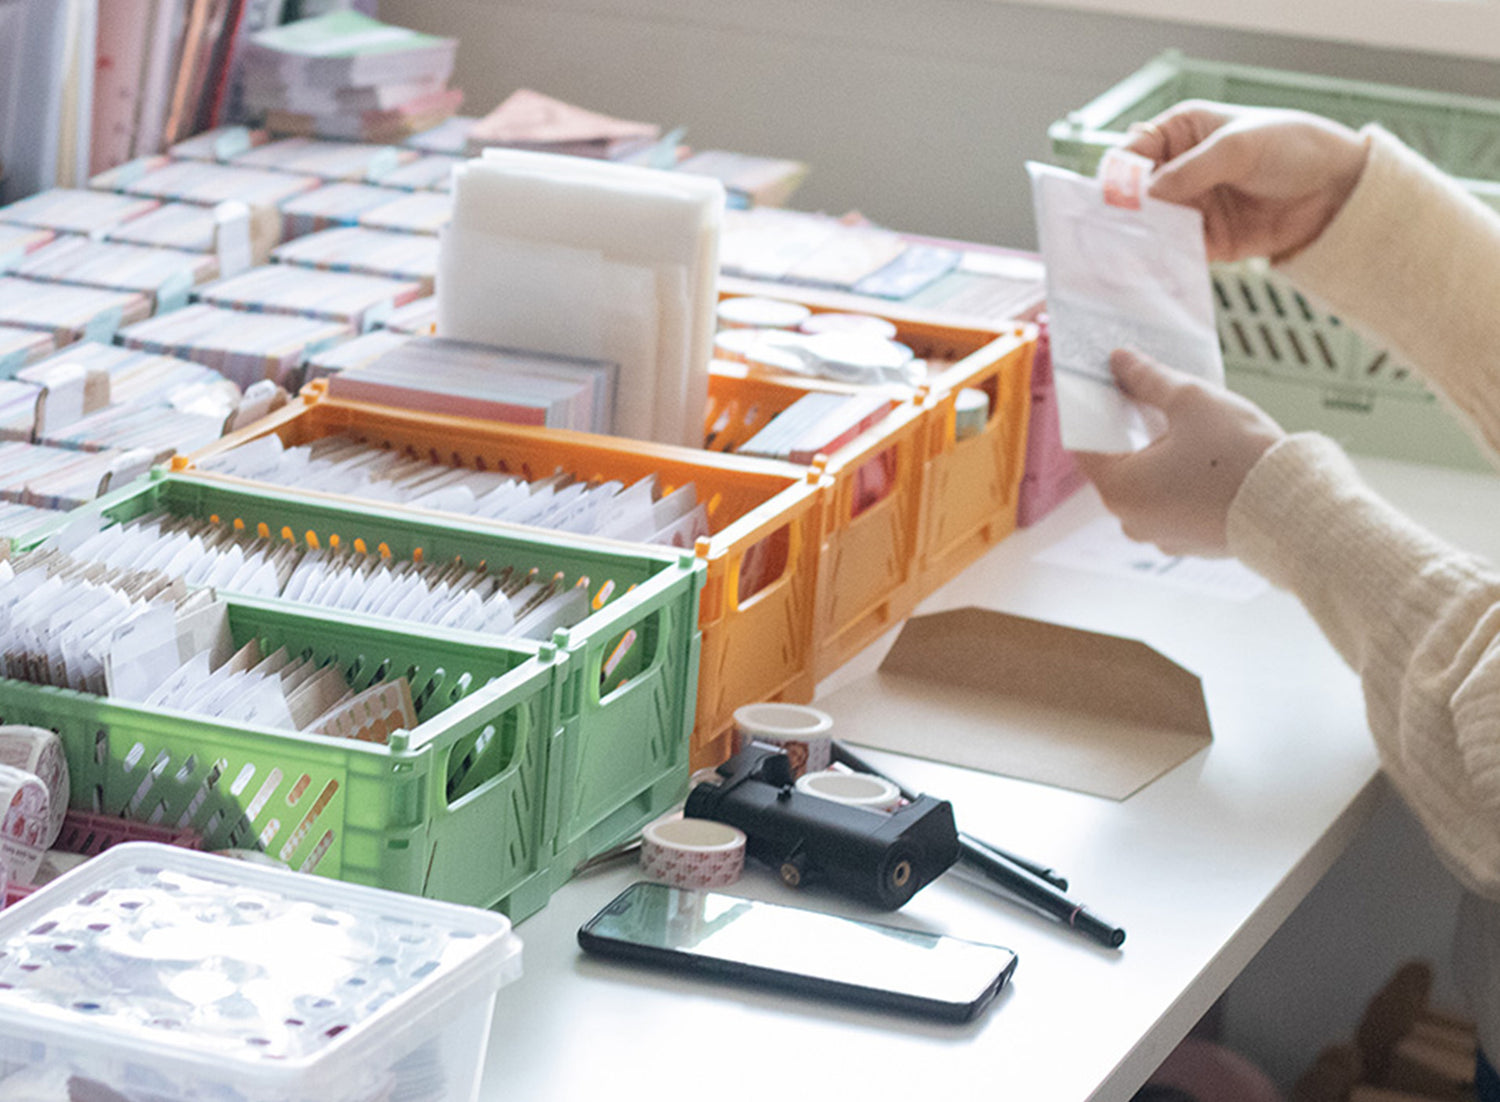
point(38, 751)
point(805, 733)
point(693, 853)
point(855, 789)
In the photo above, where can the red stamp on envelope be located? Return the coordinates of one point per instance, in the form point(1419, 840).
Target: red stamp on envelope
point(1123, 176)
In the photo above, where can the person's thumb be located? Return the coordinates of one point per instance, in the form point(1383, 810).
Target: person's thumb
point(1144, 380)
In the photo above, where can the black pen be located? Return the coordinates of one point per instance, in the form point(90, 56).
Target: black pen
point(842, 753)
point(983, 868)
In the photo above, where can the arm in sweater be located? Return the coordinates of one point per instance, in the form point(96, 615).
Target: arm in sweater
point(1417, 619)
point(1415, 259)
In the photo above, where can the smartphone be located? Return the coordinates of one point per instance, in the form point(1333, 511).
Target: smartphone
point(824, 955)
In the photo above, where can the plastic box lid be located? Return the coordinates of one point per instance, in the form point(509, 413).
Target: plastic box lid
point(211, 977)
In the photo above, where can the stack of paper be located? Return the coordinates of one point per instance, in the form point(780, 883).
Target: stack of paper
point(67, 312)
point(208, 184)
point(474, 380)
point(222, 143)
point(429, 172)
point(339, 204)
point(166, 276)
point(16, 520)
point(817, 423)
point(355, 300)
point(136, 377)
point(749, 181)
point(244, 348)
point(75, 210)
point(407, 256)
point(531, 120)
point(18, 409)
point(18, 242)
point(356, 352)
point(860, 267)
point(19, 347)
point(591, 259)
point(59, 478)
point(346, 75)
point(414, 212)
point(329, 160)
point(450, 136)
point(419, 318)
point(232, 232)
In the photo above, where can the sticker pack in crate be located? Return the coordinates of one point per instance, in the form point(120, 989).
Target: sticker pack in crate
point(609, 760)
point(1303, 365)
point(763, 519)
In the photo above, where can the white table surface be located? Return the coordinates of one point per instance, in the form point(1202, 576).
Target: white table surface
point(1200, 867)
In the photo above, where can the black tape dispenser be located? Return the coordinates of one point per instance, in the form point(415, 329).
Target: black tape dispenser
point(878, 857)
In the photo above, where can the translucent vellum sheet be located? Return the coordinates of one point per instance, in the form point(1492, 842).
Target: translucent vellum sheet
point(1119, 276)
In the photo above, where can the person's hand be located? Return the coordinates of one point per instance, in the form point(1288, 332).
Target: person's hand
point(1267, 181)
point(1176, 491)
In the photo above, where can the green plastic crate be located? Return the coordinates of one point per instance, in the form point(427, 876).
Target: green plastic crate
point(454, 809)
point(1301, 364)
point(619, 757)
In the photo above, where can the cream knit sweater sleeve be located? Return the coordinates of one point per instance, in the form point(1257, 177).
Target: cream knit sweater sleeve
point(1415, 260)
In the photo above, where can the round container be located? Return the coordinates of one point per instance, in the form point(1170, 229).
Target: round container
point(754, 312)
point(862, 324)
point(971, 409)
point(855, 789)
point(804, 732)
point(858, 357)
point(693, 853)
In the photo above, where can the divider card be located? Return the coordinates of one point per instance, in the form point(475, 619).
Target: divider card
point(593, 260)
point(637, 512)
point(1123, 270)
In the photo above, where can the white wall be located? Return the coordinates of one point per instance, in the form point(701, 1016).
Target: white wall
point(921, 116)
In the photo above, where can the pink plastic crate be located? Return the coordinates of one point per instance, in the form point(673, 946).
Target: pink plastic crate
point(1050, 475)
point(89, 835)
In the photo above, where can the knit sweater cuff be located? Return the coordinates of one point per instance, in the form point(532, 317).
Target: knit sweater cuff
point(1304, 519)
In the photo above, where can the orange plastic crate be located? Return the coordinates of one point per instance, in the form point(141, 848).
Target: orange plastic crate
point(764, 518)
point(952, 499)
point(971, 488)
point(867, 564)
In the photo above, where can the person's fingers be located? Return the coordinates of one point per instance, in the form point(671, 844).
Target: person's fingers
point(1225, 156)
point(1146, 139)
point(1144, 380)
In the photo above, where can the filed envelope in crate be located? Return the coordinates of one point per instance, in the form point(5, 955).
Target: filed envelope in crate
point(620, 757)
point(757, 637)
point(156, 973)
point(458, 808)
point(1304, 366)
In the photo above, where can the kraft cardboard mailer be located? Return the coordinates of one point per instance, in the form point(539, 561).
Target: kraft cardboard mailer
point(1024, 698)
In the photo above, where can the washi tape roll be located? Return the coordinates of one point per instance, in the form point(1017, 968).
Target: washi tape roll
point(693, 853)
point(804, 732)
point(855, 789)
point(754, 312)
point(24, 815)
point(39, 751)
point(866, 324)
point(971, 409)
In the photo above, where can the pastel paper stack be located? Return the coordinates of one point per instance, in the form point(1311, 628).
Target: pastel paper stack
point(590, 259)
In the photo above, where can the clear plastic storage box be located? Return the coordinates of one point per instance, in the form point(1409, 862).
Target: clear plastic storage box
point(157, 974)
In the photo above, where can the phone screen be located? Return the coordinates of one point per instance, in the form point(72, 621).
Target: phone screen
point(788, 947)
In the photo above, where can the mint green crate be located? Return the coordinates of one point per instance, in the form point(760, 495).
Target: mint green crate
point(619, 757)
point(454, 809)
point(1298, 362)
